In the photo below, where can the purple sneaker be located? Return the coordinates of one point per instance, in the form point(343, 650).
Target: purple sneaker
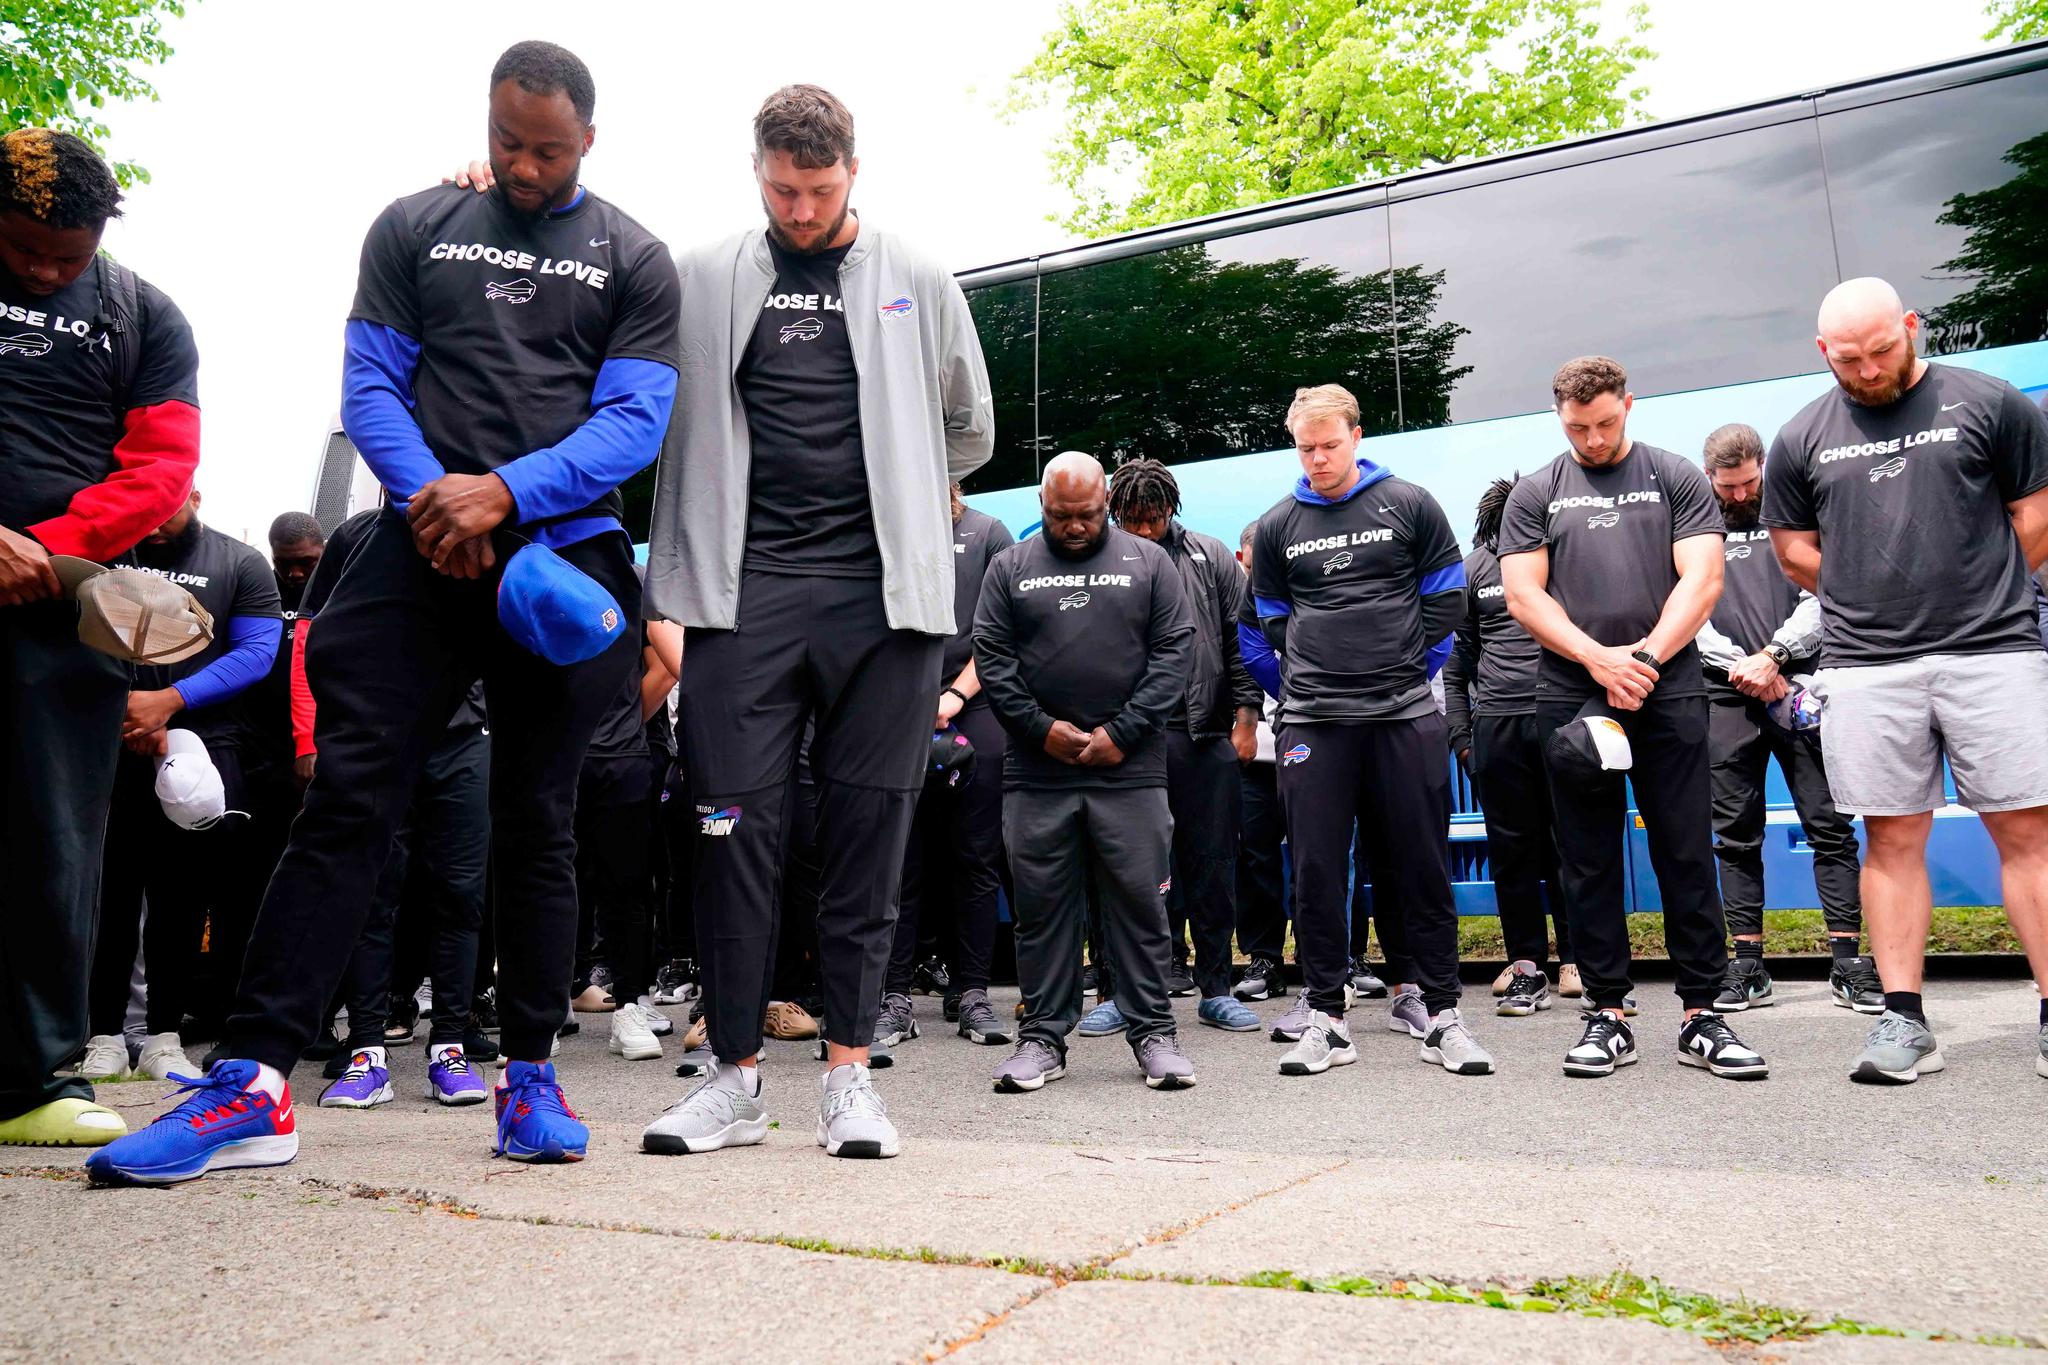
point(450, 1078)
point(365, 1085)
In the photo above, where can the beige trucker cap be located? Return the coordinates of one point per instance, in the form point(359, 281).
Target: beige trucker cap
point(135, 616)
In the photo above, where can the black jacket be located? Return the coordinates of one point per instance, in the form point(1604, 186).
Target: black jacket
point(1213, 586)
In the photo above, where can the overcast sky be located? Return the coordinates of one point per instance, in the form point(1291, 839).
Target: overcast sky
point(284, 127)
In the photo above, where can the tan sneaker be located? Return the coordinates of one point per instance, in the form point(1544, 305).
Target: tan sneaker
point(1500, 983)
point(1568, 983)
point(787, 1020)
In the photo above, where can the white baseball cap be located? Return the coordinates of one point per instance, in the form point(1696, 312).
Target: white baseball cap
point(188, 784)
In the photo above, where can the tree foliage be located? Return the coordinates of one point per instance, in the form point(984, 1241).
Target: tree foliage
point(61, 61)
point(2004, 255)
point(1197, 106)
point(2016, 21)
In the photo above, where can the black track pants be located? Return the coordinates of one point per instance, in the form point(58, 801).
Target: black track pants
point(1203, 792)
point(1261, 909)
point(950, 877)
point(1514, 791)
point(1743, 741)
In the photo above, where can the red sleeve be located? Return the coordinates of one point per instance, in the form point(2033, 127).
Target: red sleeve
point(302, 693)
point(153, 468)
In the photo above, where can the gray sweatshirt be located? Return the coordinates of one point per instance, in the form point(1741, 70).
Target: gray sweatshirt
point(926, 416)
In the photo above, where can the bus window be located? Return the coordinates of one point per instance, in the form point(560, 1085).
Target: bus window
point(1005, 317)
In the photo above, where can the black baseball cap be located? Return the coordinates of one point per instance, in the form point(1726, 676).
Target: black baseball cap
point(1588, 748)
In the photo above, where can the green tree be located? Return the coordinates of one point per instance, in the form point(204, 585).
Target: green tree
point(2004, 256)
point(2016, 21)
point(1177, 108)
point(62, 60)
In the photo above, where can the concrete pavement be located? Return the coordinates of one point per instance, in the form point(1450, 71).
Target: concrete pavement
point(1097, 1217)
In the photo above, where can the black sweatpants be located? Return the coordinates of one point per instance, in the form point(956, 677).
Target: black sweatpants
point(1261, 907)
point(1668, 744)
point(271, 797)
point(676, 925)
point(1203, 793)
point(434, 876)
point(1061, 839)
point(1383, 911)
point(395, 649)
point(1743, 741)
point(950, 877)
point(64, 703)
point(615, 840)
point(1514, 792)
point(1389, 778)
point(819, 649)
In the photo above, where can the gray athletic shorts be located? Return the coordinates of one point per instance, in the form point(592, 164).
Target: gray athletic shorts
point(1887, 726)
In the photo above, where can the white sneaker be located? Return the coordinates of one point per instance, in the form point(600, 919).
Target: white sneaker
point(718, 1113)
point(631, 1036)
point(851, 1120)
point(162, 1054)
point(1325, 1043)
point(106, 1057)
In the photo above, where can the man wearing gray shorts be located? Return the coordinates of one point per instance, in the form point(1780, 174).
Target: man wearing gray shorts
point(1926, 487)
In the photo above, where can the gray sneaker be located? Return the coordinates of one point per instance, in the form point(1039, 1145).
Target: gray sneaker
point(2041, 1062)
point(1451, 1046)
point(1165, 1066)
point(718, 1113)
point(896, 1023)
point(1898, 1051)
point(1325, 1043)
point(978, 1021)
point(878, 1051)
point(1033, 1064)
point(1288, 1027)
point(1407, 1014)
point(851, 1120)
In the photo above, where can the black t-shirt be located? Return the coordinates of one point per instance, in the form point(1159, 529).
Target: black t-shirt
point(1918, 555)
point(1610, 533)
point(60, 416)
point(229, 579)
point(1504, 684)
point(1350, 575)
point(808, 510)
point(514, 315)
point(1756, 597)
point(977, 539)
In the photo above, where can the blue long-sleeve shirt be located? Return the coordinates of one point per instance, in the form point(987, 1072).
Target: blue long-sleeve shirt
point(252, 648)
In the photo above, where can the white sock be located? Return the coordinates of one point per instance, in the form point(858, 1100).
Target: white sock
point(744, 1079)
point(271, 1081)
point(440, 1050)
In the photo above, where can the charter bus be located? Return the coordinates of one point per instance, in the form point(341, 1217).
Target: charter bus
point(1696, 251)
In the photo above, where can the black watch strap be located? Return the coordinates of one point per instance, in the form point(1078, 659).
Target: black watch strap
point(1779, 654)
point(956, 692)
point(1644, 656)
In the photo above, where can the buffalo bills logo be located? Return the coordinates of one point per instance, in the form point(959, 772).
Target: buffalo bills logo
point(1600, 519)
point(1166, 886)
point(1890, 469)
point(897, 308)
point(1298, 754)
point(1076, 600)
point(512, 291)
point(1339, 560)
point(808, 329)
point(26, 343)
point(1736, 552)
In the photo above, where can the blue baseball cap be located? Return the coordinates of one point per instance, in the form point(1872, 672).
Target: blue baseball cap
point(555, 609)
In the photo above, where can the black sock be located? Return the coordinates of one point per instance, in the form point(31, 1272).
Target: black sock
point(1844, 946)
point(1749, 948)
point(1906, 1003)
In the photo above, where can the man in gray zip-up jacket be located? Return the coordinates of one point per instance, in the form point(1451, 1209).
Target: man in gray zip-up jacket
point(831, 385)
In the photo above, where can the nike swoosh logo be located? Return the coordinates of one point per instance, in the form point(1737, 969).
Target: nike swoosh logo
point(1386, 509)
point(1129, 558)
point(1951, 407)
point(284, 1114)
point(606, 242)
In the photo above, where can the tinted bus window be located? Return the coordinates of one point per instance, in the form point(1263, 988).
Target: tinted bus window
point(1694, 265)
point(1195, 352)
point(1005, 317)
point(1944, 195)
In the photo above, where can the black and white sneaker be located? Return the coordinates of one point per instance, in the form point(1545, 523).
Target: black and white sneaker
point(1853, 983)
point(1708, 1042)
point(1179, 982)
point(1528, 992)
point(1365, 983)
point(1607, 1043)
point(1746, 986)
point(931, 977)
point(1261, 981)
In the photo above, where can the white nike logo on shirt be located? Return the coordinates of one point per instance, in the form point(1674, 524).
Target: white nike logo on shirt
point(606, 242)
point(1950, 407)
point(1129, 558)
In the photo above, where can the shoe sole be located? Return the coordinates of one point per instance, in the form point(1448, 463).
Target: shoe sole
point(1403, 1026)
point(383, 1096)
point(897, 1039)
point(2041, 1065)
point(1522, 1009)
point(1253, 997)
point(1169, 1082)
point(1845, 1003)
point(1760, 1002)
point(985, 1038)
point(550, 1155)
point(274, 1150)
point(635, 1052)
point(1926, 1066)
point(739, 1133)
point(1252, 1027)
point(1592, 1070)
point(1337, 1057)
point(1726, 1073)
point(1013, 1085)
point(1375, 993)
point(1627, 1011)
point(1280, 1035)
point(1435, 1057)
point(1103, 1033)
point(456, 1099)
point(858, 1149)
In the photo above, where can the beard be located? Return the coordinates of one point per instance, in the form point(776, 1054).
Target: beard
point(824, 242)
point(1741, 516)
point(1889, 389)
point(1061, 551)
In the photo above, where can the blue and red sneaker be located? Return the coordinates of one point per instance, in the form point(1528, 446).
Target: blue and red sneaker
point(534, 1122)
point(224, 1122)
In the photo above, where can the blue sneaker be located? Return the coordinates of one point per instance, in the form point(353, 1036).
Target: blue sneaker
point(223, 1123)
point(451, 1080)
point(534, 1122)
point(1103, 1020)
point(1224, 1012)
point(364, 1085)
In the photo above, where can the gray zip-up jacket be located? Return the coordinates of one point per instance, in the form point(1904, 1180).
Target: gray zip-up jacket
point(926, 416)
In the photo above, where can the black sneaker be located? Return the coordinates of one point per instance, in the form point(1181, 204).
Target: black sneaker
point(483, 1012)
point(949, 1006)
point(1853, 983)
point(336, 1066)
point(1746, 986)
point(1528, 992)
point(676, 982)
point(402, 1018)
point(570, 1028)
point(1178, 982)
point(1706, 1041)
point(477, 1045)
point(1365, 983)
point(324, 1047)
point(931, 977)
point(1607, 1043)
point(1091, 981)
point(1262, 980)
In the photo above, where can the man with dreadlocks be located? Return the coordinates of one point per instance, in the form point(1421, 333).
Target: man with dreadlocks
point(1490, 702)
point(1212, 729)
point(99, 438)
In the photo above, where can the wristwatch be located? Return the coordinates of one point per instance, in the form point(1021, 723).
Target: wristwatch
point(1778, 653)
point(1644, 656)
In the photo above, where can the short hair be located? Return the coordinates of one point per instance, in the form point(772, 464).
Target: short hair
point(1324, 400)
point(1584, 379)
point(1244, 537)
point(1493, 505)
point(809, 123)
point(56, 178)
point(546, 68)
point(1142, 486)
point(292, 527)
point(1733, 446)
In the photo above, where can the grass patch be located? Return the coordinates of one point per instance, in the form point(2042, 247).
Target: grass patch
point(1956, 929)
